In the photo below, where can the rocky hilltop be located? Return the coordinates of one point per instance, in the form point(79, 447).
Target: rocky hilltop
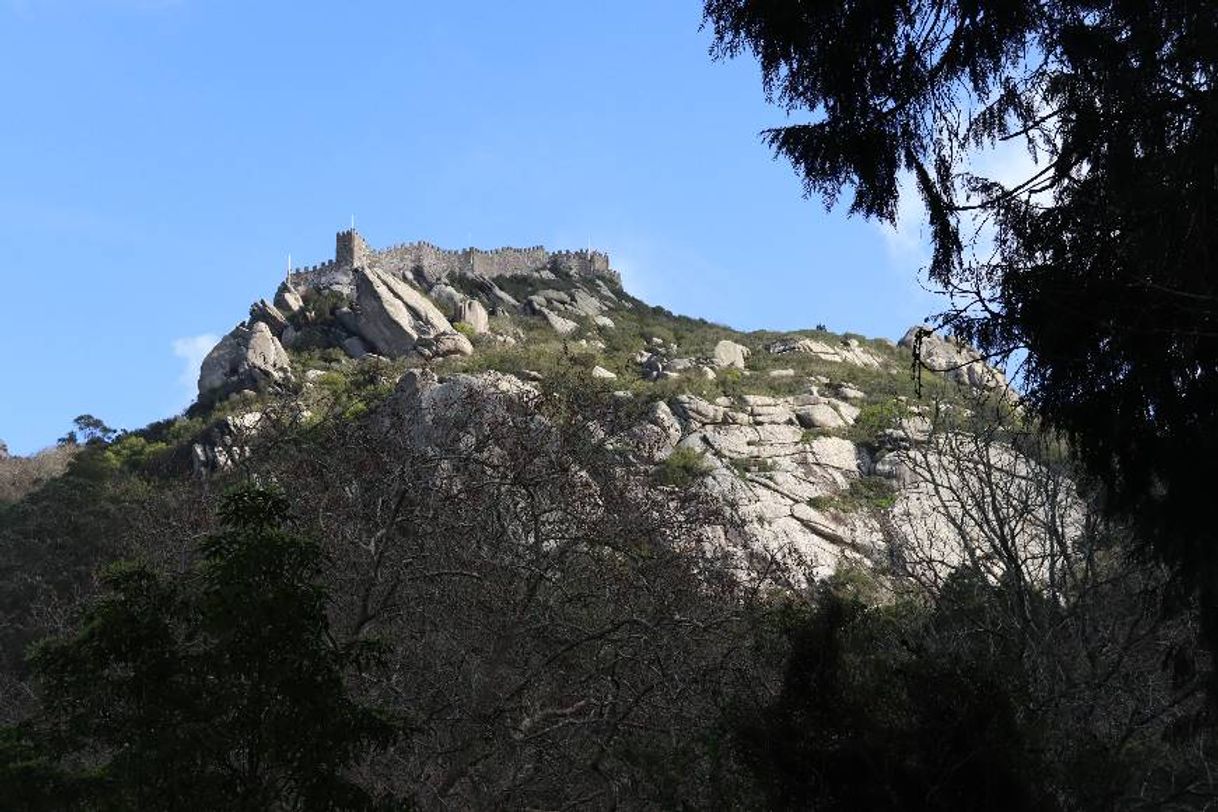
point(582, 540)
point(814, 442)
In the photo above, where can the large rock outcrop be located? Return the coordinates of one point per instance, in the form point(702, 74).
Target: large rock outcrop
point(270, 315)
point(849, 351)
point(288, 299)
point(396, 319)
point(248, 357)
point(953, 359)
point(770, 472)
point(474, 314)
point(731, 354)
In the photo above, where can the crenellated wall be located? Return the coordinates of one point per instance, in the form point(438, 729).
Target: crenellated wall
point(310, 275)
point(435, 263)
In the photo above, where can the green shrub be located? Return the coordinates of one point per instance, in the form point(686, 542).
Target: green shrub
point(132, 451)
point(466, 329)
point(868, 493)
point(853, 581)
point(750, 465)
point(334, 382)
point(876, 418)
point(682, 467)
point(319, 307)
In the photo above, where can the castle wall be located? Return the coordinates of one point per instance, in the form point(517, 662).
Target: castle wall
point(507, 261)
point(310, 275)
point(585, 263)
point(436, 264)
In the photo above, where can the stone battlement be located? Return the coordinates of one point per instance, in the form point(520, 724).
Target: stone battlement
point(433, 264)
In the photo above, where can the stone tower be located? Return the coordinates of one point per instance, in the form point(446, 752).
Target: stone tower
point(350, 250)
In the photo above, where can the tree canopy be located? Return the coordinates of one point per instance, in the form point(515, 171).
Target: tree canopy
point(222, 689)
point(1099, 261)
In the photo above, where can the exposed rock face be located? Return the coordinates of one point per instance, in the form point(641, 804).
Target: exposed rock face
point(444, 344)
point(246, 358)
point(848, 352)
point(585, 303)
point(762, 473)
point(958, 490)
point(768, 473)
point(434, 413)
point(392, 317)
point(956, 360)
point(576, 302)
point(448, 298)
point(784, 485)
point(227, 443)
point(562, 326)
point(355, 347)
point(474, 314)
point(819, 416)
point(287, 299)
point(3, 451)
point(268, 314)
point(731, 354)
point(498, 294)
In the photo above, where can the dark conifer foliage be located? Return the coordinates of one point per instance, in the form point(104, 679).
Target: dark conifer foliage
point(1103, 258)
point(880, 713)
point(219, 690)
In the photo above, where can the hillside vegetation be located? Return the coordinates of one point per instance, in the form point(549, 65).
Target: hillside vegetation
point(607, 559)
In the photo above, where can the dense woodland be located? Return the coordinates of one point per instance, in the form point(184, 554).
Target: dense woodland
point(510, 617)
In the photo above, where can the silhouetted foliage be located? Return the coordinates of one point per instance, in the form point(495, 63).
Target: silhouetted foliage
point(1103, 258)
point(88, 429)
point(950, 705)
point(222, 689)
point(874, 715)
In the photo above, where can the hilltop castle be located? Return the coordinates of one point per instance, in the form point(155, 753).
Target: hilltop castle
point(430, 264)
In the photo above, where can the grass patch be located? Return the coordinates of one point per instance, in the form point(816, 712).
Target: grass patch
point(869, 493)
point(809, 435)
point(751, 465)
point(874, 419)
point(682, 467)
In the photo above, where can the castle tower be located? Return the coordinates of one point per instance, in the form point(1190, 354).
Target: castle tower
point(350, 250)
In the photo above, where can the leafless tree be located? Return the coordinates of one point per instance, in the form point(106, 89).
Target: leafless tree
point(562, 632)
point(1112, 664)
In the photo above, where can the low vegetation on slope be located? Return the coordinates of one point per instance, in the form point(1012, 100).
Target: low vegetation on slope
point(545, 610)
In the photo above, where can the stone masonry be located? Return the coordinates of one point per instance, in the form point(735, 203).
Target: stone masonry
point(433, 264)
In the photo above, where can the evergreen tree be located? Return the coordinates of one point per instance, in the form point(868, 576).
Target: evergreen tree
point(1104, 257)
point(221, 690)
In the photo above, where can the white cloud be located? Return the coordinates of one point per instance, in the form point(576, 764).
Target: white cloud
point(1008, 163)
point(908, 248)
point(908, 244)
point(909, 254)
point(192, 350)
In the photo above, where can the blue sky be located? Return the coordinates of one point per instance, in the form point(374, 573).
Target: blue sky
point(160, 158)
